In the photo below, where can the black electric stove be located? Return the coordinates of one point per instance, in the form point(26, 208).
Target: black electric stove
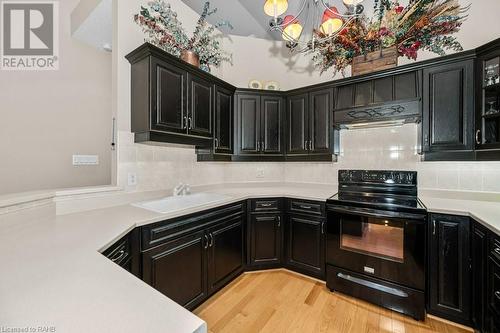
point(375, 240)
point(387, 190)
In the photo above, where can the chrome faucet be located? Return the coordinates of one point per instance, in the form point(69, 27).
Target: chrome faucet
point(182, 189)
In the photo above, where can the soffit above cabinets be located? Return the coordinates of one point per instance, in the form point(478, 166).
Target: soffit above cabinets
point(91, 23)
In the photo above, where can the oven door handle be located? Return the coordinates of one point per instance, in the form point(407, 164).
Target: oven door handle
point(375, 213)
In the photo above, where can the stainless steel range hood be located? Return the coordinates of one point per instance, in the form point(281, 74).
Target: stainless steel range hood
point(386, 115)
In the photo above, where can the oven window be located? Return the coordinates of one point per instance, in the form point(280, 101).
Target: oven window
point(373, 236)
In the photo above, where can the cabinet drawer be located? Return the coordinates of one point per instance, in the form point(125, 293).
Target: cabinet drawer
point(308, 207)
point(494, 287)
point(266, 205)
point(159, 233)
point(120, 252)
point(495, 248)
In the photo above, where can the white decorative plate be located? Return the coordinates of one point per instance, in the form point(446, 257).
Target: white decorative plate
point(255, 84)
point(272, 85)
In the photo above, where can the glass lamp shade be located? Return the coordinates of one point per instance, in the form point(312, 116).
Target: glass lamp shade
point(275, 8)
point(331, 22)
point(292, 29)
point(352, 2)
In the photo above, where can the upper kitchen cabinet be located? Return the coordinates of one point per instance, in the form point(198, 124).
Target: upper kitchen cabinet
point(448, 111)
point(487, 135)
point(223, 142)
point(310, 135)
point(172, 101)
point(378, 97)
point(259, 118)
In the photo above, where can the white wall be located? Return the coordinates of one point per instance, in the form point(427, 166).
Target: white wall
point(46, 117)
point(161, 167)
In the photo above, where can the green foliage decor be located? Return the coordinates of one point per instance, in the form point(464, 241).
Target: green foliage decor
point(162, 28)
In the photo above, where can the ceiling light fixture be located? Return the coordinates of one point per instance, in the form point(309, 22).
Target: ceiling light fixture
point(315, 22)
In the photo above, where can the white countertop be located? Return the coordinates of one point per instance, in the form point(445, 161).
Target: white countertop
point(53, 274)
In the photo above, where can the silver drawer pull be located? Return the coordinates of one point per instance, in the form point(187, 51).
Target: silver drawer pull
point(305, 207)
point(497, 250)
point(119, 256)
point(497, 294)
point(266, 205)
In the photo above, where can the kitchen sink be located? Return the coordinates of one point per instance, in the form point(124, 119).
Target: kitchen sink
point(181, 202)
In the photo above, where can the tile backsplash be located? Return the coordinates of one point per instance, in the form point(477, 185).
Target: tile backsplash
point(162, 167)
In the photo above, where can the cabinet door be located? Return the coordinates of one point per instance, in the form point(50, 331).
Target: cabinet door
point(297, 125)
point(320, 128)
point(248, 108)
point(265, 239)
point(449, 268)
point(271, 125)
point(168, 98)
point(448, 113)
point(178, 269)
point(200, 106)
point(479, 256)
point(305, 245)
point(225, 253)
point(223, 121)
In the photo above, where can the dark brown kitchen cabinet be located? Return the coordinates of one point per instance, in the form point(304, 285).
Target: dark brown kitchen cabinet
point(169, 105)
point(487, 135)
point(178, 269)
point(493, 284)
point(309, 128)
point(200, 106)
point(448, 111)
point(320, 126)
point(259, 124)
point(191, 257)
point(449, 278)
point(225, 253)
point(171, 100)
point(223, 142)
point(125, 252)
point(297, 125)
point(305, 250)
point(479, 254)
point(266, 235)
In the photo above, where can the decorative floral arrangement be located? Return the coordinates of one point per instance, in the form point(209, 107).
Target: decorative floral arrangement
point(422, 25)
point(163, 29)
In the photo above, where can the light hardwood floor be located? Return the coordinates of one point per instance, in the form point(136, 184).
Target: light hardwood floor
point(281, 301)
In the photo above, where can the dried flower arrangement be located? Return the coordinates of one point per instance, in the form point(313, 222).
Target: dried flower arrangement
point(422, 25)
point(163, 29)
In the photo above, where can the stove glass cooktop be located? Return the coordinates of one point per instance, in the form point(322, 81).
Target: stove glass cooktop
point(379, 200)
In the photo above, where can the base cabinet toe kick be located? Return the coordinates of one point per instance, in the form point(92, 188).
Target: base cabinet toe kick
point(191, 257)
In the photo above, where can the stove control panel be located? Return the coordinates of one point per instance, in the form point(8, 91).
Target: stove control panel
point(378, 177)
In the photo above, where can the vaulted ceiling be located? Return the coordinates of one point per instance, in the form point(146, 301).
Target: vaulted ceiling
point(246, 16)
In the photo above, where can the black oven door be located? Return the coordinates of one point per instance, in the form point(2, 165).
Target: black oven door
point(382, 244)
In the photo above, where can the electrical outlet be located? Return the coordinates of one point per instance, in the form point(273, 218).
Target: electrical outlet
point(260, 173)
point(132, 179)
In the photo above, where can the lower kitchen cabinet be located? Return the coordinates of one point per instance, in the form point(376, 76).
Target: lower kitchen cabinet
point(449, 278)
point(305, 250)
point(479, 254)
point(266, 234)
point(192, 258)
point(225, 253)
point(178, 269)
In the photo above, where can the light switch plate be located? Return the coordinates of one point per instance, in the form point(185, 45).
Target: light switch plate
point(85, 160)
